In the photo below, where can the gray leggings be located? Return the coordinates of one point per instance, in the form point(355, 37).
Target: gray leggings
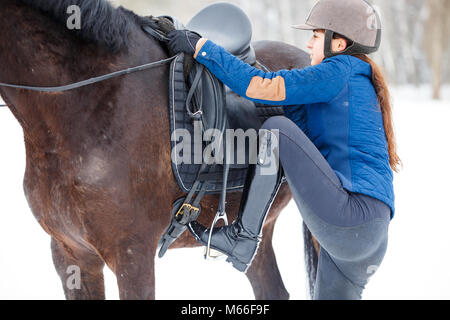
point(352, 228)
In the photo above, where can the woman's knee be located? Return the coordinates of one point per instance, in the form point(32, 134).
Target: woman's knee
point(281, 123)
point(284, 126)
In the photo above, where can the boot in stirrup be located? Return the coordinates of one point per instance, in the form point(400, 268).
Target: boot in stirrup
point(240, 240)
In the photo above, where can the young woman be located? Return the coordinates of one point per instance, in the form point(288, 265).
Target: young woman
point(336, 146)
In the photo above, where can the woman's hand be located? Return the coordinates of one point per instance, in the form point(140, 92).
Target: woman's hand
point(183, 41)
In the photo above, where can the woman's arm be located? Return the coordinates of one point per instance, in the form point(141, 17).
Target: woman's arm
point(319, 83)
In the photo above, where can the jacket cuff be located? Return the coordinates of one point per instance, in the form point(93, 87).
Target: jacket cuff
point(199, 46)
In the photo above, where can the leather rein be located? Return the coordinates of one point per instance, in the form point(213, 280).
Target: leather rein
point(155, 33)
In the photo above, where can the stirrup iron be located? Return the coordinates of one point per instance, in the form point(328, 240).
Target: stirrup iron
point(212, 254)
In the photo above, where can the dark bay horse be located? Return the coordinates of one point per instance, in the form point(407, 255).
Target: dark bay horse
point(98, 172)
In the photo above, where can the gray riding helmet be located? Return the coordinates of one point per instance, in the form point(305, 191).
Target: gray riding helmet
point(357, 20)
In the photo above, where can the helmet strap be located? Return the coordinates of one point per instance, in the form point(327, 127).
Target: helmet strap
point(354, 48)
point(327, 51)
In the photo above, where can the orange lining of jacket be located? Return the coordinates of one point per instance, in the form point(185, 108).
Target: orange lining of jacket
point(267, 89)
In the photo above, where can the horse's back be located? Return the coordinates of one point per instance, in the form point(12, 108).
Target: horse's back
point(277, 55)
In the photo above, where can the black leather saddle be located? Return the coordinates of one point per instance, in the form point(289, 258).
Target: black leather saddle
point(203, 103)
point(204, 98)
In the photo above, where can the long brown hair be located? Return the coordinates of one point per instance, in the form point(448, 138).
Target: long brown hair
point(384, 98)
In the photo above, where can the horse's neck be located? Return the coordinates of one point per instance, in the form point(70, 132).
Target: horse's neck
point(31, 45)
point(39, 52)
point(36, 51)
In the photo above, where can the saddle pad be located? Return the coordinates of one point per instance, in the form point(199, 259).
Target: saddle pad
point(180, 122)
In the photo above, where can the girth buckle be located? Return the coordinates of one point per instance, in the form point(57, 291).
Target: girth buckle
point(189, 207)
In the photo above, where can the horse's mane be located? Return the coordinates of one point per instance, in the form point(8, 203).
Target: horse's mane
point(101, 23)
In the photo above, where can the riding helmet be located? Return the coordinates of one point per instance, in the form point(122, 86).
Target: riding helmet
point(356, 20)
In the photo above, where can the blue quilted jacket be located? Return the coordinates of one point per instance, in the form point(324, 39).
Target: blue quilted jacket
point(335, 105)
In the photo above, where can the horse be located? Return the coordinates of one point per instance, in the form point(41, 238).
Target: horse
point(98, 175)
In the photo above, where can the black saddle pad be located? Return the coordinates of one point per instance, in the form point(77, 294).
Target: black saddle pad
point(242, 113)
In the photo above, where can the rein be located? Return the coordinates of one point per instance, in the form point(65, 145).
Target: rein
point(91, 80)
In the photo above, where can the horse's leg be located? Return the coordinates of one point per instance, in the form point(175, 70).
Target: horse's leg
point(133, 264)
point(263, 274)
point(81, 272)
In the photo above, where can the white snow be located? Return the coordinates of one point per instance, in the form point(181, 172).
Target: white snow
point(416, 265)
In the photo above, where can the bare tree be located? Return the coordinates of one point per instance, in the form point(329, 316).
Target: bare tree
point(437, 32)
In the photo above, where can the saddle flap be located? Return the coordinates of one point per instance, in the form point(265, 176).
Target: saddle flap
point(225, 24)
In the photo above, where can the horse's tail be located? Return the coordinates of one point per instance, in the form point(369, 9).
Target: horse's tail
point(311, 259)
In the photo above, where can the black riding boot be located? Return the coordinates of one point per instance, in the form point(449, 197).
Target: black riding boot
point(240, 240)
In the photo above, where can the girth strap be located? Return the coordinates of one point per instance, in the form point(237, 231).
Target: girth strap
point(185, 210)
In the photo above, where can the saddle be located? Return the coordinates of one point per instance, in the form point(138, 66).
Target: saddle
point(228, 26)
point(200, 105)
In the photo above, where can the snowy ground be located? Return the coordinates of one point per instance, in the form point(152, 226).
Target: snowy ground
point(416, 266)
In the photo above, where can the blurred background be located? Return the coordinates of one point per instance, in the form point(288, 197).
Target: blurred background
point(416, 33)
point(414, 55)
